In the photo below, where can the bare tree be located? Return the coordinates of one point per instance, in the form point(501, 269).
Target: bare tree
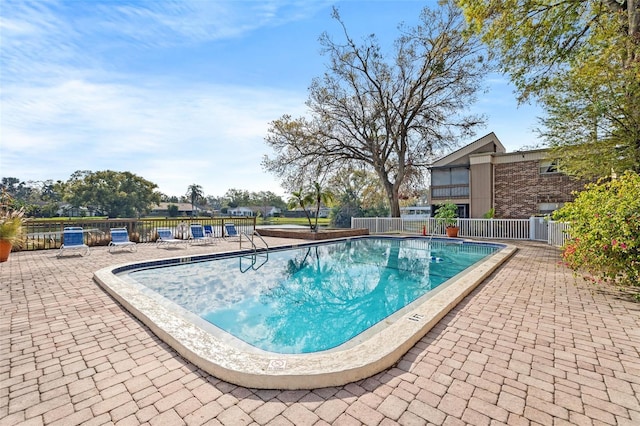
point(388, 115)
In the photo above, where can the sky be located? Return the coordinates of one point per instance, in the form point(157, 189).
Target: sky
point(182, 92)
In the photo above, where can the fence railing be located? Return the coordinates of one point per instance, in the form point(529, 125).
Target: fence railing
point(554, 233)
point(47, 234)
point(558, 233)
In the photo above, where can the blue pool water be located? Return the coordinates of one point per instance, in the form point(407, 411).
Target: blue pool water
point(311, 298)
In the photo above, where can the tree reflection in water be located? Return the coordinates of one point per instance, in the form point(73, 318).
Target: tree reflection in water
point(331, 293)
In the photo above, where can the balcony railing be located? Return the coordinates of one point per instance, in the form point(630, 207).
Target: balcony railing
point(449, 191)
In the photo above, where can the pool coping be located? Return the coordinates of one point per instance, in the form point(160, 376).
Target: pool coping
point(266, 370)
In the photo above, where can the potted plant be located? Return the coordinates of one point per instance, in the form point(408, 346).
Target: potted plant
point(11, 230)
point(447, 213)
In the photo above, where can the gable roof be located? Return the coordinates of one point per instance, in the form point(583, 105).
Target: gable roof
point(487, 143)
point(181, 206)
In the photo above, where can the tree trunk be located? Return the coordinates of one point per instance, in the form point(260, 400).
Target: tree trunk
point(391, 191)
point(392, 196)
point(394, 205)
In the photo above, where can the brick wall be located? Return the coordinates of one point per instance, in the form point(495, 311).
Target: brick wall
point(519, 188)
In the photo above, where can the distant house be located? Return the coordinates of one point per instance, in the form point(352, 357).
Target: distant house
point(482, 175)
point(71, 211)
point(241, 212)
point(323, 212)
point(267, 211)
point(251, 211)
point(415, 212)
point(184, 209)
point(299, 212)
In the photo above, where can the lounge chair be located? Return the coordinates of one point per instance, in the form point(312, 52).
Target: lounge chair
point(198, 234)
point(230, 231)
point(120, 238)
point(208, 230)
point(73, 239)
point(166, 239)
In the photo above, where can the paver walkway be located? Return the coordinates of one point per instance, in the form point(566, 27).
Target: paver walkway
point(531, 345)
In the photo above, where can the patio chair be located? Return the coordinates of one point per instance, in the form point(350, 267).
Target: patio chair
point(231, 232)
point(208, 230)
point(73, 239)
point(120, 238)
point(166, 239)
point(198, 234)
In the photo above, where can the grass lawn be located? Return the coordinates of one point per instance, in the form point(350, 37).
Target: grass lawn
point(260, 221)
point(68, 218)
point(322, 221)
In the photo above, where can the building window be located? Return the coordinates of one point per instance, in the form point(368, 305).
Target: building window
point(453, 176)
point(548, 208)
point(549, 167)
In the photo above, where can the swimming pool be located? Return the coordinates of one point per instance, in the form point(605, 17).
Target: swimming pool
point(314, 298)
point(308, 316)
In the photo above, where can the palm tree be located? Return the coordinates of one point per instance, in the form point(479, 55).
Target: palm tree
point(299, 198)
point(320, 196)
point(195, 193)
point(315, 195)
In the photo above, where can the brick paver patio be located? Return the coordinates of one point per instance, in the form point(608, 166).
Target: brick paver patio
point(531, 345)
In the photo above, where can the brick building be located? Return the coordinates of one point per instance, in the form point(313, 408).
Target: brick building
point(482, 175)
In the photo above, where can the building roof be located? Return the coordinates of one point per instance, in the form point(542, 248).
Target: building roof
point(181, 206)
point(487, 143)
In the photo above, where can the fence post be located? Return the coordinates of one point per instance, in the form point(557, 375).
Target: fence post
point(532, 227)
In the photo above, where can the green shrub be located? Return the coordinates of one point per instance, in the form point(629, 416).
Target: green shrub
point(447, 213)
point(605, 231)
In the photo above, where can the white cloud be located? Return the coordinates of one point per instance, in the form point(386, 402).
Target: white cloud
point(101, 85)
point(201, 131)
point(63, 108)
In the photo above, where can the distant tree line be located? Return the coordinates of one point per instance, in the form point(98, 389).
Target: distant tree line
point(102, 193)
point(355, 192)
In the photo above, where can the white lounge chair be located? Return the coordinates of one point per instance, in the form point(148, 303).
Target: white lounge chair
point(73, 239)
point(166, 239)
point(120, 238)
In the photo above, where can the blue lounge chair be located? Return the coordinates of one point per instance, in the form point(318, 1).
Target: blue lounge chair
point(73, 239)
point(166, 239)
point(198, 234)
point(120, 238)
point(230, 231)
point(208, 230)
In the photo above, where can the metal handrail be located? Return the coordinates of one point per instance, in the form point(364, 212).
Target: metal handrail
point(255, 251)
point(250, 239)
point(254, 261)
point(262, 239)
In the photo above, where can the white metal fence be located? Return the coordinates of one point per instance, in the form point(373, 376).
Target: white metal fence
point(554, 233)
point(558, 233)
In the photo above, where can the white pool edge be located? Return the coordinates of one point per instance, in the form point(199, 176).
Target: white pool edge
point(265, 370)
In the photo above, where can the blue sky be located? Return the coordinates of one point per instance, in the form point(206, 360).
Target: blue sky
point(181, 92)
